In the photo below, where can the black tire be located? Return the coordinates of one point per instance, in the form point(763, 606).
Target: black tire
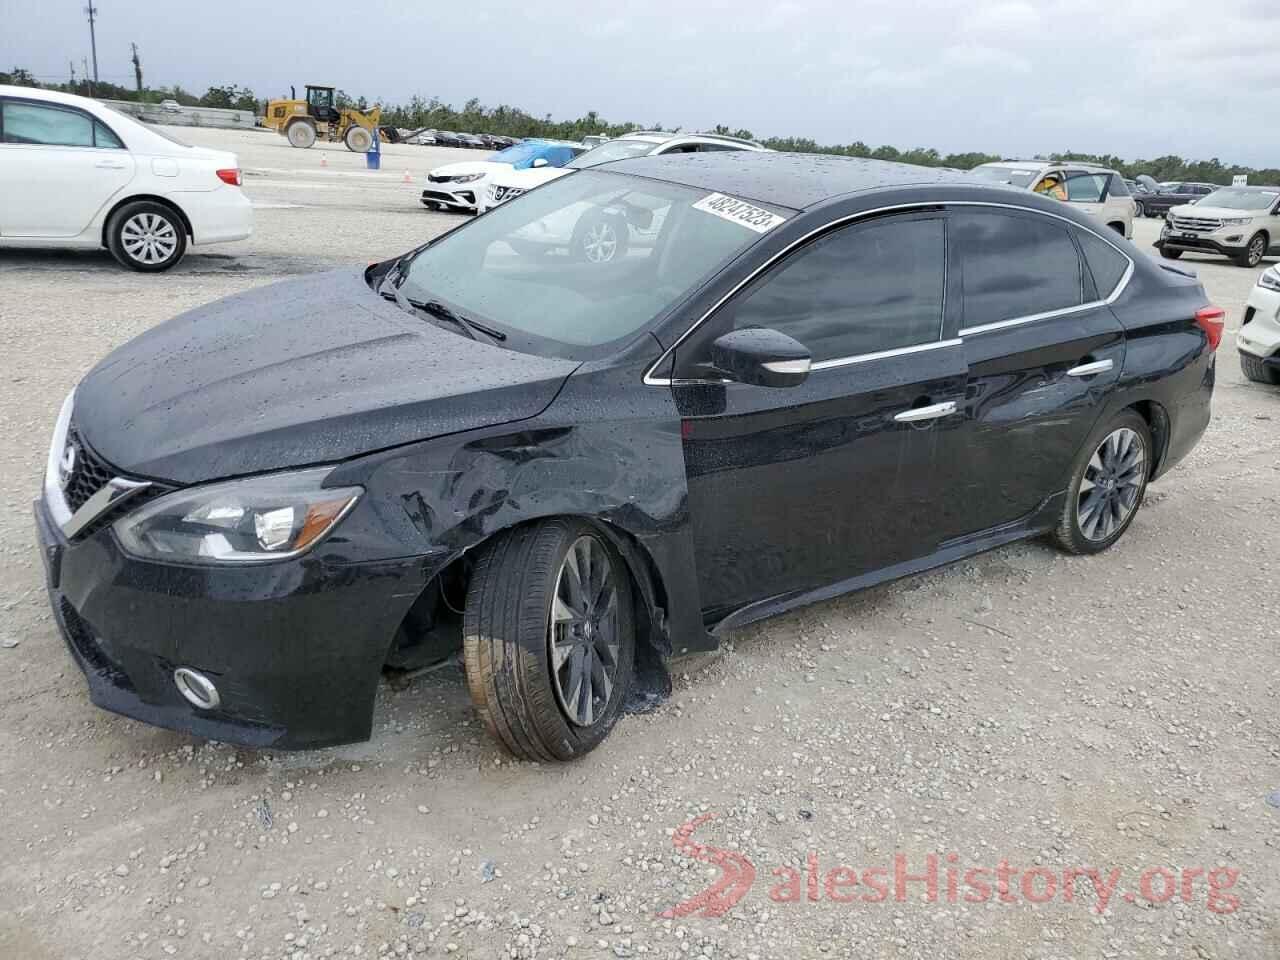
point(1254, 250)
point(1140, 210)
point(1257, 371)
point(600, 238)
point(1094, 535)
point(1118, 227)
point(1170, 254)
point(358, 139)
point(301, 134)
point(507, 641)
point(147, 236)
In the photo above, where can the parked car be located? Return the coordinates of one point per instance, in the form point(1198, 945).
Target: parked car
point(572, 471)
point(170, 106)
point(1259, 338)
point(447, 138)
point(425, 139)
point(472, 142)
point(1242, 223)
point(509, 185)
point(1098, 191)
point(91, 177)
point(457, 186)
point(1172, 195)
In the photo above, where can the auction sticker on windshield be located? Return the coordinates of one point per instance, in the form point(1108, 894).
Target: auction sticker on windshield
point(739, 211)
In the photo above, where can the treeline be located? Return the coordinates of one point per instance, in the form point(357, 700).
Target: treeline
point(474, 117)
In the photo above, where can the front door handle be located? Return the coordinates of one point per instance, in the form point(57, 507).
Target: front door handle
point(932, 412)
point(1091, 369)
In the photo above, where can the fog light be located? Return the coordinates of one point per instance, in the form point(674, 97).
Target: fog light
point(1236, 238)
point(197, 689)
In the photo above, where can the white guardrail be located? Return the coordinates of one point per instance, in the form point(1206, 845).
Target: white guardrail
point(185, 116)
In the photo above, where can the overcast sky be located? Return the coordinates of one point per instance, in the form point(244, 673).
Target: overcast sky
point(1132, 77)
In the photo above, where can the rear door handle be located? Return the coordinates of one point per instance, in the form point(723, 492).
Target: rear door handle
point(933, 412)
point(1091, 369)
point(109, 165)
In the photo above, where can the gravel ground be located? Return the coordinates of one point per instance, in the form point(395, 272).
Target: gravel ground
point(1118, 713)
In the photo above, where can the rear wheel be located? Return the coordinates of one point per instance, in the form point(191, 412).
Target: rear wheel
point(549, 639)
point(358, 140)
point(1254, 252)
point(1107, 485)
point(301, 133)
point(1257, 371)
point(1141, 211)
point(146, 236)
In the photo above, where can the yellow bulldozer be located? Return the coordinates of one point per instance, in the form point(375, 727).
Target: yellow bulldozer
point(302, 121)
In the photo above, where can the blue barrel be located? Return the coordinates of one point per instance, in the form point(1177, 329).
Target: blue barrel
point(373, 159)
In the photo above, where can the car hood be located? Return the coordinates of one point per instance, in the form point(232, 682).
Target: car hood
point(489, 167)
point(1215, 213)
point(307, 371)
point(530, 178)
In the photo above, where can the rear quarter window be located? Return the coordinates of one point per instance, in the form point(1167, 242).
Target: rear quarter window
point(1107, 264)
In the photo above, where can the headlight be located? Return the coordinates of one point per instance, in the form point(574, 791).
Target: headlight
point(469, 178)
point(242, 521)
point(1237, 221)
point(1270, 279)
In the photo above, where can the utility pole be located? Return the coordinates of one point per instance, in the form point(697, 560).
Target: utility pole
point(92, 11)
point(72, 65)
point(137, 68)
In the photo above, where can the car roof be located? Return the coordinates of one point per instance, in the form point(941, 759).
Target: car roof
point(53, 96)
point(1041, 164)
point(795, 180)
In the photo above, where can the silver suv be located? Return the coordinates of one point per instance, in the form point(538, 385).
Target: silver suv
point(1242, 223)
point(1099, 191)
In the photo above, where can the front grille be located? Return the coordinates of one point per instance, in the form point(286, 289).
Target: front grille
point(89, 474)
point(80, 635)
point(431, 177)
point(1194, 223)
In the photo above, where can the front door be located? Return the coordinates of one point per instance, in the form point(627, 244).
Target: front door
point(1043, 350)
point(793, 489)
point(69, 166)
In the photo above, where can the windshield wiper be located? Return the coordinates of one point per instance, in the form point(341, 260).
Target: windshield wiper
point(441, 312)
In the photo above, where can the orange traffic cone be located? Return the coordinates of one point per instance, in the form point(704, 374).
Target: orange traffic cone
point(324, 161)
point(407, 178)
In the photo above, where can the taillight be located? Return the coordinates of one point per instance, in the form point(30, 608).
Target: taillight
point(231, 176)
point(1211, 320)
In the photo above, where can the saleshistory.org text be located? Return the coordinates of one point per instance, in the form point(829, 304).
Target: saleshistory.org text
point(943, 877)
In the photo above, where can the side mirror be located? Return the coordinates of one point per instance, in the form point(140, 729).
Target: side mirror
point(762, 357)
point(540, 162)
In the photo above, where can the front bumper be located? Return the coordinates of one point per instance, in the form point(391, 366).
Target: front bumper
point(295, 648)
point(1227, 242)
point(462, 198)
point(1260, 333)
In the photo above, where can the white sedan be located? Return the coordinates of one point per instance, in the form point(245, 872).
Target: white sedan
point(91, 177)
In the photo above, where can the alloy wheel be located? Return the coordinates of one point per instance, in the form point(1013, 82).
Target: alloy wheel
point(1112, 483)
point(600, 243)
point(583, 638)
point(1257, 247)
point(149, 238)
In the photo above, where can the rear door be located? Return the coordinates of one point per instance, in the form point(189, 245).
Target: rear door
point(68, 163)
point(1043, 352)
point(793, 489)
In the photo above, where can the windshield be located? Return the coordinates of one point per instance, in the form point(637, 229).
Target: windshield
point(1233, 198)
point(585, 260)
point(613, 150)
point(1019, 178)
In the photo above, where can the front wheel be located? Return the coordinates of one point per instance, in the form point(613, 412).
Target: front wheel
point(146, 236)
point(358, 139)
point(1170, 254)
point(1254, 369)
point(549, 639)
point(1254, 251)
point(1107, 485)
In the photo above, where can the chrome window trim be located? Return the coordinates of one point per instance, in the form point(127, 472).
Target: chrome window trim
point(884, 354)
point(654, 381)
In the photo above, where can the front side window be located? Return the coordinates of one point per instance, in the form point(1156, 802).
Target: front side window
point(1015, 266)
point(861, 289)
point(1053, 185)
point(584, 260)
point(46, 125)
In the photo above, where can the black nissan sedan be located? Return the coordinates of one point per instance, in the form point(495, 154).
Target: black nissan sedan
point(602, 425)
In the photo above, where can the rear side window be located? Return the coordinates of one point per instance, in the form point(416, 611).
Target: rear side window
point(860, 289)
point(1015, 266)
point(1086, 187)
point(47, 125)
point(1106, 263)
